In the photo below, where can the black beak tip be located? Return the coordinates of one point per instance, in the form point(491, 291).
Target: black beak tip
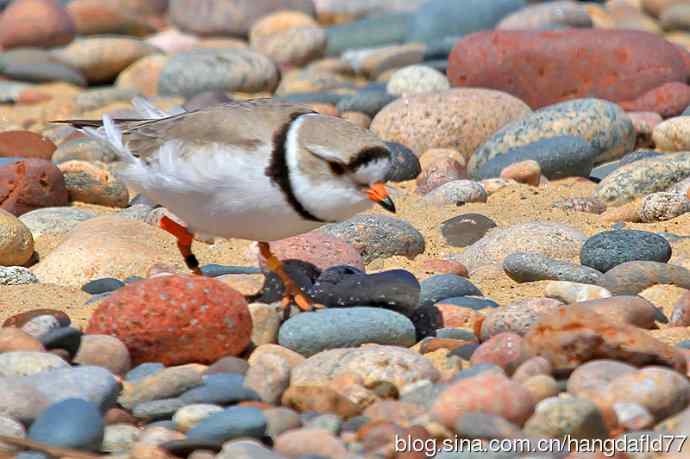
point(388, 204)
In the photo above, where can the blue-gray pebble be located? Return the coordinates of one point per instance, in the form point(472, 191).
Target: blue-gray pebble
point(220, 388)
point(230, 423)
point(369, 32)
point(605, 169)
point(472, 302)
point(369, 101)
point(71, 423)
point(143, 370)
point(608, 249)
point(532, 267)
point(442, 286)
point(312, 332)
point(104, 285)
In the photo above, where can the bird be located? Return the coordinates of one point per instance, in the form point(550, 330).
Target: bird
point(259, 169)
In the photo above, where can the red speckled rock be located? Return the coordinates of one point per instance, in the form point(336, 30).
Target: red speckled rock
point(25, 144)
point(31, 184)
point(321, 250)
point(575, 334)
point(40, 23)
point(488, 392)
point(505, 350)
point(175, 320)
point(667, 100)
point(543, 68)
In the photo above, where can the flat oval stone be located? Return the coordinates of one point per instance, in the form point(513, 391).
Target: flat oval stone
point(229, 424)
point(457, 192)
point(405, 163)
point(25, 363)
point(143, 370)
point(369, 101)
point(221, 389)
point(603, 124)
point(576, 417)
point(372, 31)
point(532, 267)
point(608, 249)
point(71, 423)
point(104, 285)
point(466, 229)
point(442, 286)
point(633, 277)
point(603, 170)
point(472, 302)
point(153, 410)
point(313, 332)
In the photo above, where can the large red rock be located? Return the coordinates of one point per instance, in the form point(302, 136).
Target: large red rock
point(39, 23)
point(176, 320)
point(575, 334)
point(25, 144)
point(669, 99)
point(31, 184)
point(543, 68)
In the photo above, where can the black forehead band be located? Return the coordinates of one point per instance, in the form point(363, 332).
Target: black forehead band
point(367, 156)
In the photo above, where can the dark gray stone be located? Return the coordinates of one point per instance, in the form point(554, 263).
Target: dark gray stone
point(157, 409)
point(466, 229)
point(71, 423)
point(608, 249)
point(405, 163)
point(214, 270)
point(532, 267)
point(442, 286)
point(558, 157)
point(455, 333)
point(66, 338)
point(472, 302)
point(369, 101)
point(312, 97)
point(312, 332)
point(104, 285)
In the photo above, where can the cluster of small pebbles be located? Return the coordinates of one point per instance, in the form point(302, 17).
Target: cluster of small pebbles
point(534, 284)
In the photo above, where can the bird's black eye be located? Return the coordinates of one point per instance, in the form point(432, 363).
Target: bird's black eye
point(336, 168)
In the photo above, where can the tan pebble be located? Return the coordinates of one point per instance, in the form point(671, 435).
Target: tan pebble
point(14, 339)
point(528, 172)
point(16, 241)
point(541, 387)
point(629, 212)
point(673, 134)
point(357, 118)
point(494, 184)
point(573, 292)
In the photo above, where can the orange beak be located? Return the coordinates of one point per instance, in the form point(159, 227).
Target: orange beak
point(378, 193)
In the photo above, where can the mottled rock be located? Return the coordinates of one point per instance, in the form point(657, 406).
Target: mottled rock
point(603, 124)
point(457, 192)
point(416, 79)
point(288, 37)
point(211, 305)
point(557, 241)
point(30, 184)
point(672, 134)
point(663, 206)
point(461, 119)
point(378, 236)
point(668, 99)
point(531, 267)
point(632, 277)
point(269, 376)
point(505, 350)
point(321, 250)
point(574, 335)
point(572, 417)
point(16, 243)
point(313, 332)
point(587, 204)
point(516, 317)
point(633, 310)
point(88, 183)
point(608, 249)
point(163, 384)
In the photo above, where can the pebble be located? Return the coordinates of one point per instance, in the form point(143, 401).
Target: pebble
point(216, 322)
point(607, 168)
point(220, 389)
point(160, 409)
point(438, 171)
point(166, 383)
point(40, 325)
point(629, 309)
point(554, 240)
point(516, 317)
point(416, 79)
point(632, 416)
point(376, 30)
point(24, 144)
point(663, 206)
point(602, 124)
point(12, 428)
point(472, 425)
point(457, 192)
point(86, 182)
point(54, 220)
point(459, 118)
point(405, 166)
point(16, 241)
point(228, 364)
point(672, 134)
point(531, 267)
point(64, 338)
point(505, 350)
point(567, 417)
point(25, 363)
point(585, 204)
point(310, 443)
point(16, 275)
point(15, 339)
point(57, 28)
point(269, 376)
point(378, 236)
point(344, 286)
point(472, 302)
point(608, 249)
point(288, 37)
point(633, 277)
point(527, 172)
point(119, 438)
point(466, 229)
point(443, 286)
point(143, 370)
point(71, 423)
point(438, 18)
point(101, 59)
point(312, 332)
point(543, 16)
point(266, 320)
point(104, 285)
point(104, 351)
point(487, 392)
point(367, 101)
point(558, 157)
point(571, 336)
point(321, 250)
point(573, 292)
point(189, 73)
point(31, 183)
point(188, 416)
point(231, 423)
point(643, 177)
point(246, 449)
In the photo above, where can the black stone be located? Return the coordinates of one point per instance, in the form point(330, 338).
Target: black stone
point(183, 448)
point(405, 163)
point(104, 285)
point(302, 273)
point(608, 249)
point(427, 319)
point(66, 338)
point(466, 229)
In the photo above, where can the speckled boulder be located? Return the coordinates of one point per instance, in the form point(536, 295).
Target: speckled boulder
point(461, 119)
point(554, 240)
point(616, 65)
point(378, 236)
point(86, 182)
point(608, 249)
point(573, 335)
point(147, 317)
point(673, 134)
point(488, 392)
point(632, 277)
point(31, 184)
point(603, 124)
point(228, 17)
point(643, 177)
point(455, 193)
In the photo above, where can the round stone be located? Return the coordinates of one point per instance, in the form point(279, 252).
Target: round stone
point(189, 416)
point(71, 423)
point(457, 192)
point(24, 363)
point(16, 275)
point(228, 424)
point(104, 351)
point(466, 229)
point(608, 249)
point(443, 286)
point(416, 79)
point(531, 267)
point(86, 182)
point(16, 241)
point(573, 417)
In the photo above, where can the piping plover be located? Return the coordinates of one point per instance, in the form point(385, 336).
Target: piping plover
point(260, 170)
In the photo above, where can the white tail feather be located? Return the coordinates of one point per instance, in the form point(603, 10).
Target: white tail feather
point(145, 108)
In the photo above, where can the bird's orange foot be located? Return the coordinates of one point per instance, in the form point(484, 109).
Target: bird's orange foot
point(184, 243)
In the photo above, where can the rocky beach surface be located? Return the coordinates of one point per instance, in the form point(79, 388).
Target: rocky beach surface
point(533, 287)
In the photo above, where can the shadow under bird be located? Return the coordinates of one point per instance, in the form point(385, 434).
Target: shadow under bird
point(260, 170)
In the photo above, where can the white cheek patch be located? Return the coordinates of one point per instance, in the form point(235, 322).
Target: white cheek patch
point(373, 172)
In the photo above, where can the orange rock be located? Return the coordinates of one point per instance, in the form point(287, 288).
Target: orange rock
point(575, 334)
point(528, 172)
point(38, 23)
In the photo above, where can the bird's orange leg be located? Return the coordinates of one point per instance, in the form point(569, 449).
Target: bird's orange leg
point(184, 243)
point(292, 292)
